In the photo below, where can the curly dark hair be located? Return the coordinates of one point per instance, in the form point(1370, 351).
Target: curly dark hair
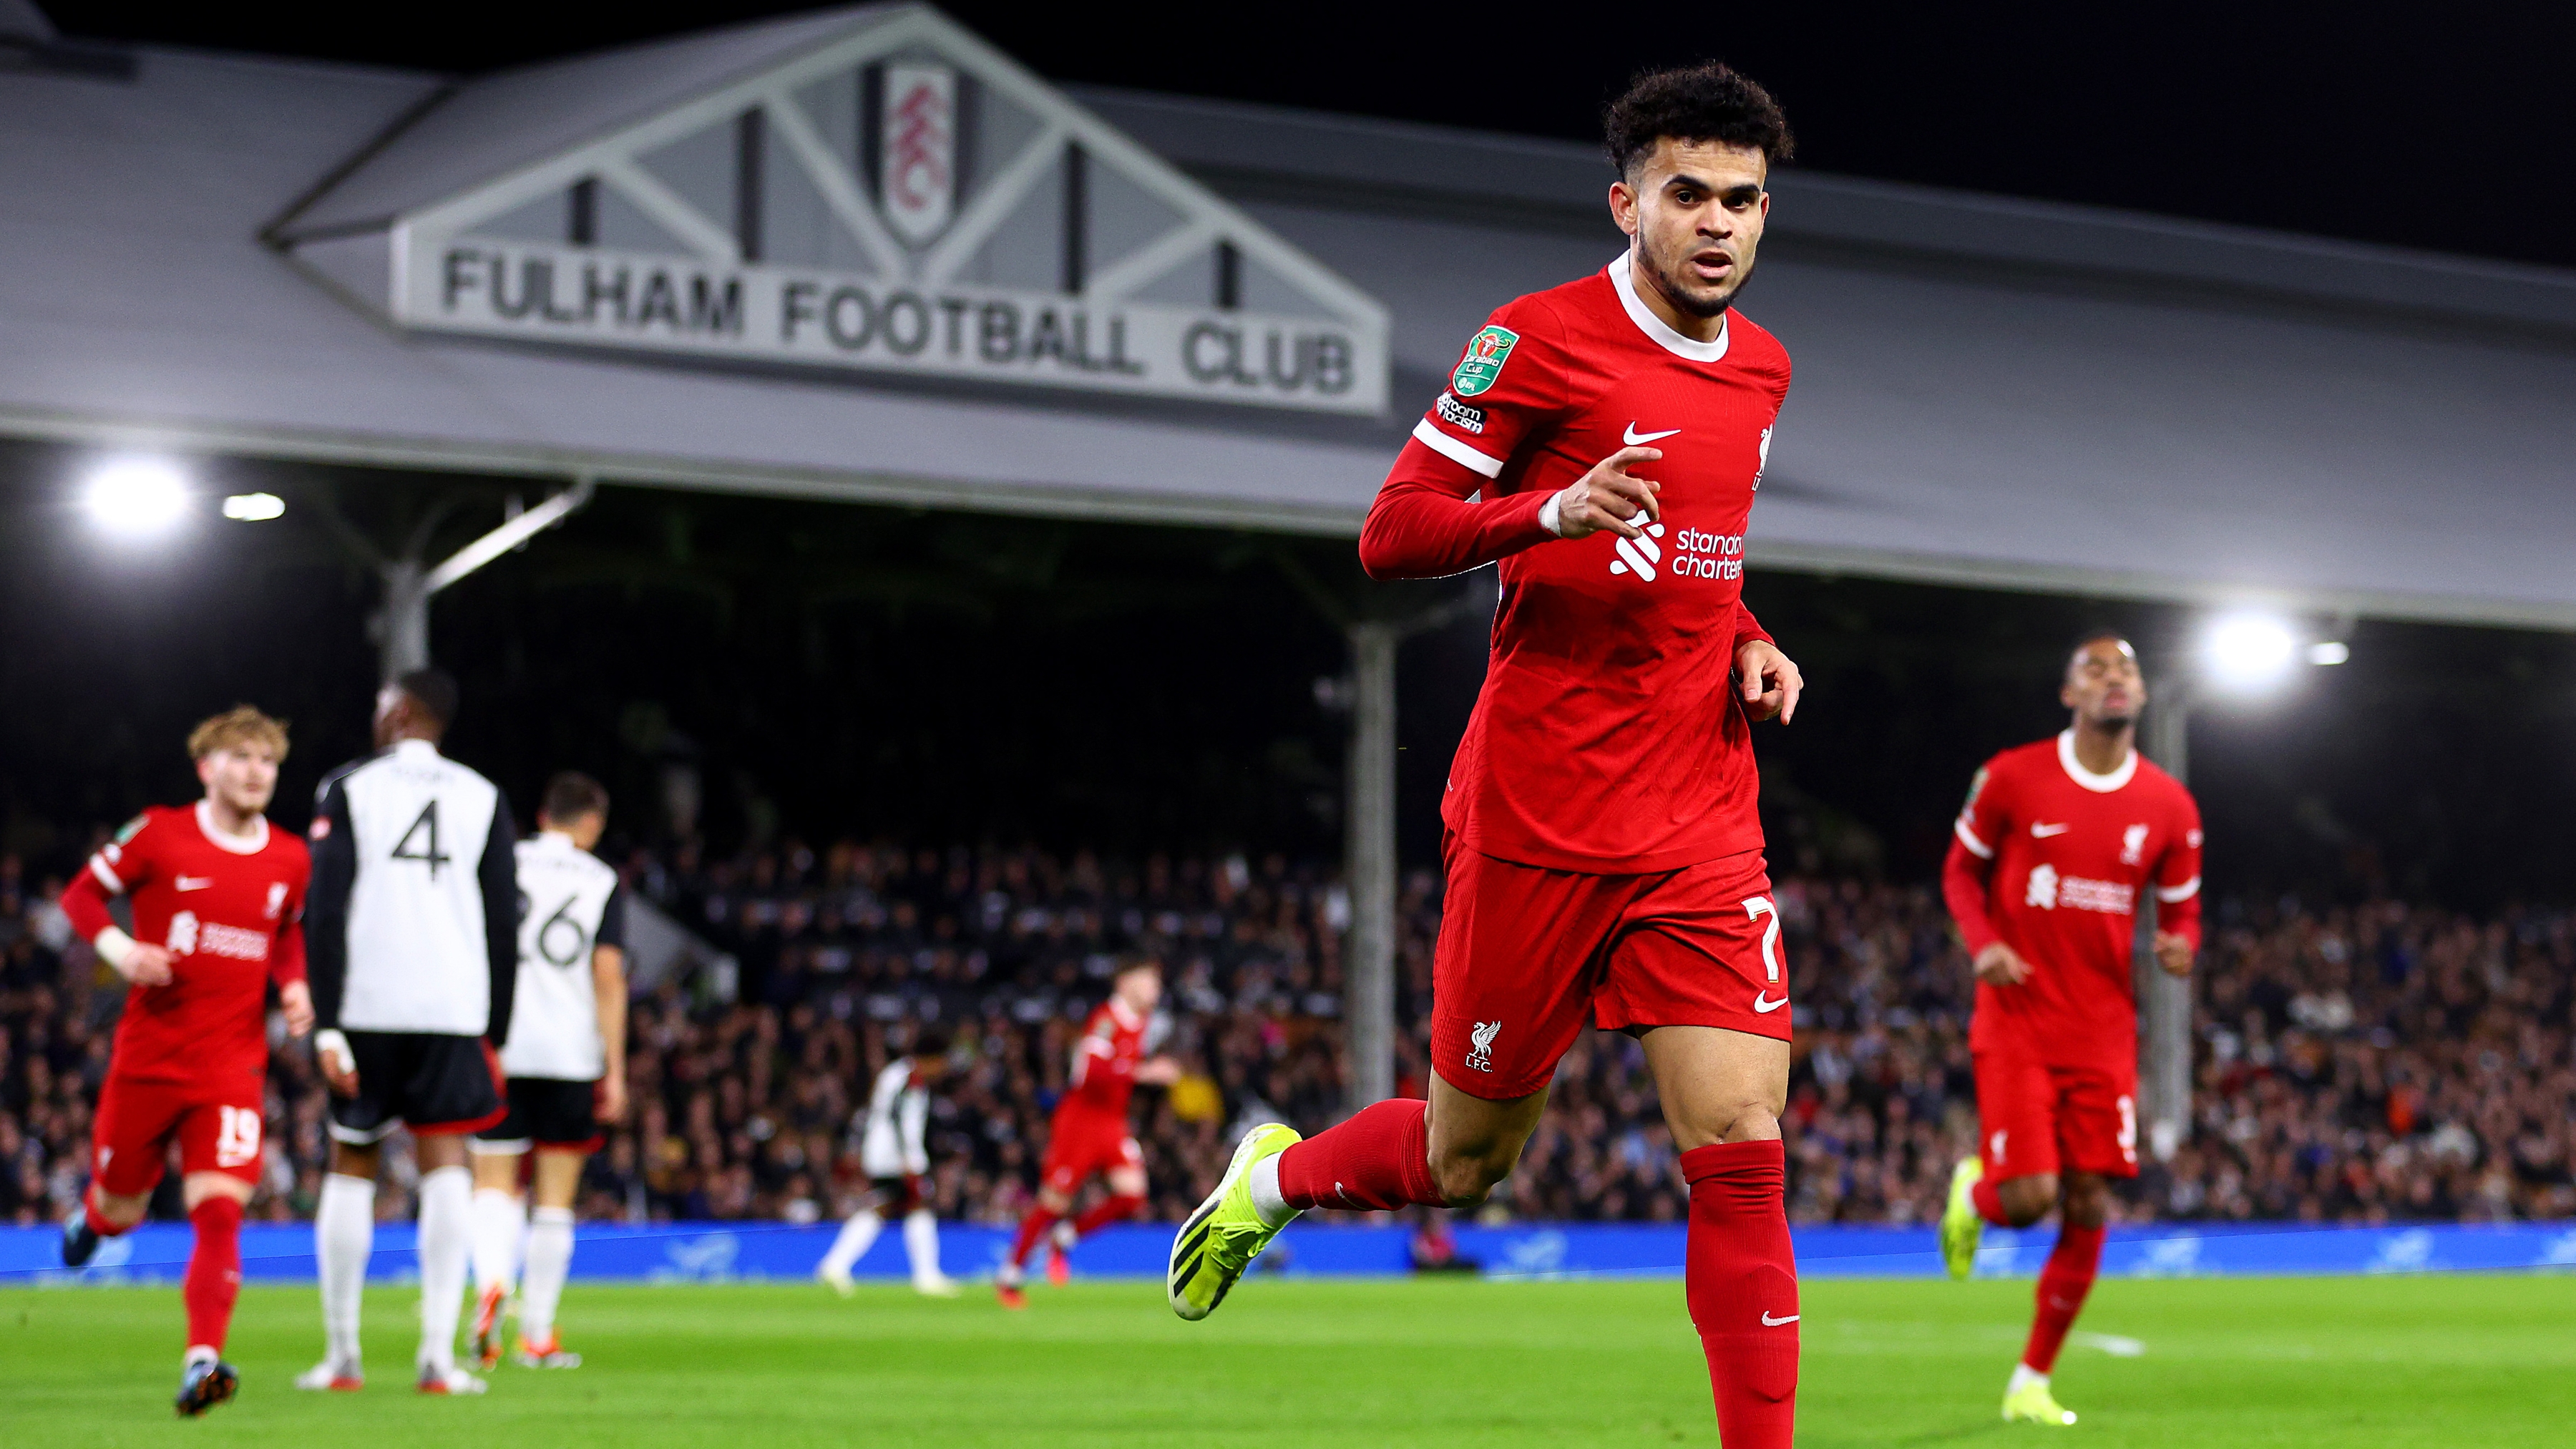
point(1704, 102)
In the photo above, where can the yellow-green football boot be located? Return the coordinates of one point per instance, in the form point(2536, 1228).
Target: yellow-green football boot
point(1220, 1240)
point(1961, 1228)
point(2033, 1404)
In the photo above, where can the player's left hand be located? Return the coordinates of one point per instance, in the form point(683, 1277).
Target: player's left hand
point(1771, 681)
point(2174, 953)
point(296, 999)
point(1158, 1072)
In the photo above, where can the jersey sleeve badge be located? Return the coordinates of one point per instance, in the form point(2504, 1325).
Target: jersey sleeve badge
point(1487, 351)
point(125, 833)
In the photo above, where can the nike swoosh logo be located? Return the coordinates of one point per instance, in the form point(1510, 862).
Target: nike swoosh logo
point(1633, 437)
point(1770, 1322)
point(193, 882)
point(2042, 832)
point(1763, 1002)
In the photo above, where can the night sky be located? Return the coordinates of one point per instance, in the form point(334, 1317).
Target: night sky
point(2444, 128)
point(829, 669)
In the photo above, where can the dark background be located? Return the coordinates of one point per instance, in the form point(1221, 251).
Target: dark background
point(2444, 128)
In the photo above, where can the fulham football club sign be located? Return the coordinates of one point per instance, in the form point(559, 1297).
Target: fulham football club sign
point(898, 197)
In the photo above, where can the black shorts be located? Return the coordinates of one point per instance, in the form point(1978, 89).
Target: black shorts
point(433, 1083)
point(895, 1196)
point(545, 1112)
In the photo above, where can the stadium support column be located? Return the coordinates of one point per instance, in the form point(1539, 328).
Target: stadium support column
point(402, 627)
point(1369, 965)
point(2164, 1002)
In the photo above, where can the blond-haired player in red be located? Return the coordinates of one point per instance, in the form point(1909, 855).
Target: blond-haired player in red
point(217, 901)
point(2058, 841)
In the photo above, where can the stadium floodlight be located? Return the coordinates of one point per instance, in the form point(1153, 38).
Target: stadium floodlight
point(254, 507)
point(2249, 652)
point(135, 496)
point(2331, 651)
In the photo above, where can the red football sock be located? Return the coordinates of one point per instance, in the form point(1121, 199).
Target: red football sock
point(1742, 1281)
point(1990, 1204)
point(1105, 1212)
point(1379, 1160)
point(98, 1224)
point(2062, 1286)
point(214, 1272)
point(1032, 1228)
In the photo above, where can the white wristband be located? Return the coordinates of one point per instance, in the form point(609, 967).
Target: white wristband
point(1549, 518)
point(113, 946)
point(329, 1042)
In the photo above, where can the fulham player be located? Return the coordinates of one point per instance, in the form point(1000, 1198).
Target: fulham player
point(1090, 1136)
point(1603, 441)
point(216, 899)
point(897, 1161)
point(412, 934)
point(566, 1064)
point(2059, 840)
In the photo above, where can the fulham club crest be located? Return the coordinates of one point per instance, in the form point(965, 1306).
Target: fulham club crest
point(919, 160)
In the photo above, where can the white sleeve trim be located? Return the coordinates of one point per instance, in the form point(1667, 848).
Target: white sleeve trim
point(1551, 517)
point(1457, 452)
point(1968, 838)
point(113, 946)
point(106, 877)
point(2173, 895)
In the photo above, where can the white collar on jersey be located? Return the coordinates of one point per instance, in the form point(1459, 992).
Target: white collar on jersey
point(1623, 282)
point(413, 745)
point(251, 844)
point(2098, 784)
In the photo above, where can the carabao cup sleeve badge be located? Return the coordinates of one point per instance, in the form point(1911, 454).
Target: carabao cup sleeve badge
point(1487, 351)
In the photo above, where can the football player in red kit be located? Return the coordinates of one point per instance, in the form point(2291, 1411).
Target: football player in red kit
point(1090, 1136)
point(217, 896)
point(2058, 841)
point(1603, 441)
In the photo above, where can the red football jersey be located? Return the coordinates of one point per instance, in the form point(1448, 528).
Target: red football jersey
point(1607, 738)
point(1105, 1061)
point(2050, 858)
point(229, 913)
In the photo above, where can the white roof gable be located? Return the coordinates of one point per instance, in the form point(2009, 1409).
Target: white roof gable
point(873, 188)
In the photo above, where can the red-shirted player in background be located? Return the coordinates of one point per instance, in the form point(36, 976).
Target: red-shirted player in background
point(1090, 1134)
point(2058, 841)
point(1604, 848)
point(217, 896)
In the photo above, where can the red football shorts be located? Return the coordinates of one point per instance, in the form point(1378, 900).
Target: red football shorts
point(1083, 1143)
point(2038, 1118)
point(216, 1123)
point(1525, 952)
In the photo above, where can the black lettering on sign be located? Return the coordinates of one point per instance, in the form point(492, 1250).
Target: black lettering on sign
point(661, 302)
point(850, 318)
point(1206, 351)
point(456, 274)
point(1293, 375)
point(593, 293)
point(546, 294)
point(795, 306)
point(501, 303)
point(906, 319)
point(1046, 338)
point(997, 333)
point(714, 308)
point(954, 309)
point(1334, 372)
point(1119, 361)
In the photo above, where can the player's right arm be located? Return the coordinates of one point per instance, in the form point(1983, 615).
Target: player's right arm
point(117, 867)
point(1967, 876)
point(1509, 383)
point(608, 987)
point(326, 931)
point(500, 884)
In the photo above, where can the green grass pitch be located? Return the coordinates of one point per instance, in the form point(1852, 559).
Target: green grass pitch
point(2314, 1363)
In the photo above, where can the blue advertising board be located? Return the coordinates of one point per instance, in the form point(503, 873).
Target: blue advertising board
point(748, 1251)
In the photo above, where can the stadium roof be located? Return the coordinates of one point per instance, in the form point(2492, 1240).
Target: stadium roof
point(1989, 391)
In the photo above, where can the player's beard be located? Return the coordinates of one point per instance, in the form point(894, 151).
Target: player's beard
point(1683, 294)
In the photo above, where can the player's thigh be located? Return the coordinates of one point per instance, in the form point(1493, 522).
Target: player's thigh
point(1468, 1129)
point(2097, 1122)
point(197, 1187)
point(221, 1133)
point(2016, 1115)
point(556, 1178)
point(130, 1134)
point(1513, 970)
point(1717, 1084)
point(1700, 947)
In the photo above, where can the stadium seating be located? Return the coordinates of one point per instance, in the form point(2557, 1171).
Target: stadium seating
point(2368, 1063)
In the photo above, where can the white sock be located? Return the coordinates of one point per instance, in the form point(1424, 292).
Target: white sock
point(500, 1219)
point(921, 1244)
point(344, 1237)
point(1266, 1200)
point(446, 1237)
point(857, 1236)
point(549, 1263)
point(2023, 1377)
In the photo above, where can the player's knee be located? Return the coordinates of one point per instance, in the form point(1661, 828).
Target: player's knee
point(1466, 1176)
point(2087, 1201)
point(1750, 1122)
point(2028, 1199)
point(123, 1211)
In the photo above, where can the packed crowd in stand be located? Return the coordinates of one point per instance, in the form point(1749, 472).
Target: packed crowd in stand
point(2370, 1063)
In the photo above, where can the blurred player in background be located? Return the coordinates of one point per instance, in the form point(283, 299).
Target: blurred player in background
point(896, 1159)
point(566, 1064)
point(1089, 1135)
point(2058, 840)
point(412, 934)
point(217, 900)
point(1604, 441)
